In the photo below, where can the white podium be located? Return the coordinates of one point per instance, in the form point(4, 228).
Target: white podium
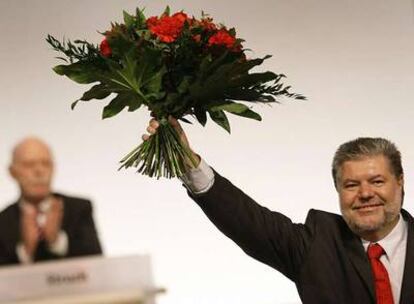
point(90, 280)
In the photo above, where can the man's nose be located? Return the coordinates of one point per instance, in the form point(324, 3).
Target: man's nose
point(39, 168)
point(366, 191)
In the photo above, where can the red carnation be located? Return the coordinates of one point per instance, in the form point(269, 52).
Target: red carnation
point(105, 48)
point(167, 28)
point(152, 21)
point(208, 25)
point(182, 17)
point(222, 37)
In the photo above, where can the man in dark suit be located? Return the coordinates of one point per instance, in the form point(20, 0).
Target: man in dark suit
point(43, 225)
point(364, 256)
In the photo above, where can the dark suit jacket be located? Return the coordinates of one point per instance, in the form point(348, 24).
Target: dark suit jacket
point(77, 222)
point(323, 257)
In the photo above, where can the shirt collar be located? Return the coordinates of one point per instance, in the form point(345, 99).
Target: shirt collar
point(43, 206)
point(391, 242)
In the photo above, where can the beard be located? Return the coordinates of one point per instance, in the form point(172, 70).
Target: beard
point(371, 224)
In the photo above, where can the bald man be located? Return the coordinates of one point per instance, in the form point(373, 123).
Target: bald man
point(43, 225)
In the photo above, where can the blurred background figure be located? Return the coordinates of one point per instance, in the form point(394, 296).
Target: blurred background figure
point(41, 224)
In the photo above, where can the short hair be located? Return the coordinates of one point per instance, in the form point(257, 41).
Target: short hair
point(364, 147)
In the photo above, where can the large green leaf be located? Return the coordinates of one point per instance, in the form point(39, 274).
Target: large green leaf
point(141, 75)
point(128, 77)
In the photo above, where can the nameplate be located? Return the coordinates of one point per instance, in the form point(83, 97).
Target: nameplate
point(79, 280)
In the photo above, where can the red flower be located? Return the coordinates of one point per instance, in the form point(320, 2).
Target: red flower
point(182, 17)
point(152, 21)
point(105, 48)
point(208, 25)
point(222, 37)
point(167, 28)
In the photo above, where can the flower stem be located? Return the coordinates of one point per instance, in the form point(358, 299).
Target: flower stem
point(162, 155)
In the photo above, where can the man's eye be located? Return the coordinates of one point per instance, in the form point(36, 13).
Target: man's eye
point(378, 182)
point(350, 186)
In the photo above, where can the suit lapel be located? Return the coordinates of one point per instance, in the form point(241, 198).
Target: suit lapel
point(15, 225)
point(13, 229)
point(407, 289)
point(66, 220)
point(359, 260)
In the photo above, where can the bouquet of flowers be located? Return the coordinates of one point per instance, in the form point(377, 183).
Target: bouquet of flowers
point(174, 65)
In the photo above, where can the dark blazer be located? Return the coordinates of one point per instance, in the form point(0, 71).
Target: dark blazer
point(323, 257)
point(77, 222)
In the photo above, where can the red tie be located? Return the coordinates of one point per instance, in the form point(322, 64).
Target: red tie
point(382, 281)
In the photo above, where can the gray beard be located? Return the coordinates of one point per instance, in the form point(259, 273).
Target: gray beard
point(365, 228)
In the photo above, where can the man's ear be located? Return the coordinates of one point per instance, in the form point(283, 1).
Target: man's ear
point(401, 180)
point(12, 171)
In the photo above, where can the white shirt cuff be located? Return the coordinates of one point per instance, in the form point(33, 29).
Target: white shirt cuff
point(199, 180)
point(22, 255)
point(60, 245)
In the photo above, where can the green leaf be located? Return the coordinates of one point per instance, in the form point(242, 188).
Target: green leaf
point(244, 67)
point(252, 95)
point(154, 82)
point(73, 105)
point(182, 88)
point(99, 91)
point(209, 66)
point(140, 17)
point(115, 106)
point(128, 19)
point(248, 80)
point(122, 77)
point(139, 74)
point(205, 63)
point(220, 118)
point(201, 115)
point(79, 72)
point(237, 109)
point(185, 120)
point(79, 50)
point(232, 31)
point(167, 11)
point(134, 103)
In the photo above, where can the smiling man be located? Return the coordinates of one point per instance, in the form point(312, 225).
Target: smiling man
point(370, 190)
point(364, 256)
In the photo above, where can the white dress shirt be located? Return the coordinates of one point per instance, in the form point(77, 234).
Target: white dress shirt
point(394, 245)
